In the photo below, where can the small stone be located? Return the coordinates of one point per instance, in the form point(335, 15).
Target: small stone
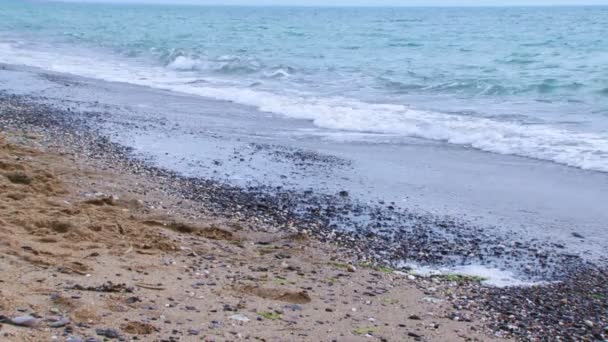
point(73, 339)
point(432, 300)
point(240, 318)
point(228, 307)
point(63, 321)
point(589, 323)
point(25, 321)
point(132, 300)
point(351, 268)
point(577, 235)
point(293, 307)
point(415, 317)
point(109, 333)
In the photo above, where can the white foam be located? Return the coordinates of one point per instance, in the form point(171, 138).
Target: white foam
point(278, 73)
point(579, 149)
point(492, 276)
point(184, 63)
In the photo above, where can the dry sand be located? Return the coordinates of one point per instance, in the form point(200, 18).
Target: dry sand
point(90, 247)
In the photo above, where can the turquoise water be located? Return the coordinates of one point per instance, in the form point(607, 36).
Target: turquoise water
point(526, 81)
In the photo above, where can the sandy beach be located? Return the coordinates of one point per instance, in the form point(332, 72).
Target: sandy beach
point(96, 246)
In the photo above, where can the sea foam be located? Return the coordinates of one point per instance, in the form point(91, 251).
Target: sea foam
point(490, 276)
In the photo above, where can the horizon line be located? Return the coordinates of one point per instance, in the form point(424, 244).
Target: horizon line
point(324, 6)
point(115, 2)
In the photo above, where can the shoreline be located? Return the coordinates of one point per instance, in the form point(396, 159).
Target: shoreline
point(483, 303)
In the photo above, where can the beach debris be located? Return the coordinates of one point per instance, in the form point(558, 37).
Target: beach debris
point(364, 331)
point(157, 287)
point(269, 315)
point(106, 287)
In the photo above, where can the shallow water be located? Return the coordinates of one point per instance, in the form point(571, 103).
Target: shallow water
point(524, 81)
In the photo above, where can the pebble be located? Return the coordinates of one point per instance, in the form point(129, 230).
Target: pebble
point(109, 333)
point(433, 300)
point(25, 321)
point(193, 332)
point(293, 307)
point(577, 235)
point(73, 339)
point(413, 334)
point(63, 321)
point(240, 318)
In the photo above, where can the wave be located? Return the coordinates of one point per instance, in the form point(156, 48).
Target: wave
point(404, 44)
point(184, 64)
point(579, 149)
point(223, 64)
point(482, 87)
point(583, 150)
point(228, 65)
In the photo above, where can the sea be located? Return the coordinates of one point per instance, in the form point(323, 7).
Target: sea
point(531, 82)
point(484, 112)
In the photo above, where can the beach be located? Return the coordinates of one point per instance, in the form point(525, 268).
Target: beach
point(181, 173)
point(96, 239)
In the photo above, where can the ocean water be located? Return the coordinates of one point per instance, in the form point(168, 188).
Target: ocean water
point(531, 82)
